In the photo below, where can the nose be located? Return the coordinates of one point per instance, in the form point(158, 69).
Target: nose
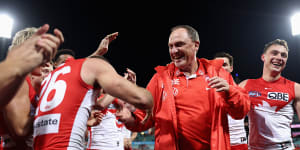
point(173, 50)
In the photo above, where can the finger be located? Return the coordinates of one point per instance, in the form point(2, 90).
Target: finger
point(49, 47)
point(213, 78)
point(221, 89)
point(43, 29)
point(113, 36)
point(126, 75)
point(214, 81)
point(59, 35)
point(52, 38)
point(46, 49)
point(130, 71)
point(218, 85)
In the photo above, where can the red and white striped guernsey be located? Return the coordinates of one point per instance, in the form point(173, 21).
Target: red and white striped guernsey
point(63, 108)
point(271, 112)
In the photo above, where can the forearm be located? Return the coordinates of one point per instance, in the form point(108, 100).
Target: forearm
point(133, 136)
point(238, 103)
point(103, 102)
point(11, 79)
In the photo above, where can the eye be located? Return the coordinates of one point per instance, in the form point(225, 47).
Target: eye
point(284, 55)
point(274, 53)
point(179, 44)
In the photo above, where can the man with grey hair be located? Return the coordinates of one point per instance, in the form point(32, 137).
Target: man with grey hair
point(192, 98)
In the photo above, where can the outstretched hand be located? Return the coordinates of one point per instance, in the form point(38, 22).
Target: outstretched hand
point(37, 50)
point(103, 46)
point(130, 75)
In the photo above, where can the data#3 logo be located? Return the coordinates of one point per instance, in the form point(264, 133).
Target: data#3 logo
point(254, 94)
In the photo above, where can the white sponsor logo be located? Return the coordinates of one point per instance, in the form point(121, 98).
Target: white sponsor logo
point(278, 96)
point(175, 91)
point(46, 124)
point(175, 82)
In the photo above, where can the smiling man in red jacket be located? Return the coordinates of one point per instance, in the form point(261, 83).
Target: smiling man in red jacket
point(191, 99)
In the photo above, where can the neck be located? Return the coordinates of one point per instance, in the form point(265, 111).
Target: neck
point(190, 69)
point(270, 76)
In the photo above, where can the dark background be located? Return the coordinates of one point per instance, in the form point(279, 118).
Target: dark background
point(239, 27)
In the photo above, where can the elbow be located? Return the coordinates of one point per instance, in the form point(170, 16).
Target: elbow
point(20, 132)
point(100, 106)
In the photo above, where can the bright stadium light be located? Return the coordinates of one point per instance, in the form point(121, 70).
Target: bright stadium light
point(6, 24)
point(295, 21)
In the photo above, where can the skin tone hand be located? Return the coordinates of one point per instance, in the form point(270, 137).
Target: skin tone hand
point(37, 50)
point(219, 84)
point(24, 58)
point(103, 46)
point(95, 118)
point(130, 75)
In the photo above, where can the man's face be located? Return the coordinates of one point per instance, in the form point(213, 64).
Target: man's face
point(182, 49)
point(226, 64)
point(46, 69)
point(275, 58)
point(62, 58)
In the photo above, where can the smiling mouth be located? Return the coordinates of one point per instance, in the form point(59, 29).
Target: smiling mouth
point(276, 64)
point(177, 57)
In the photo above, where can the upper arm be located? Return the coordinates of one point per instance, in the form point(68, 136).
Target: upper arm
point(100, 72)
point(297, 99)
point(17, 112)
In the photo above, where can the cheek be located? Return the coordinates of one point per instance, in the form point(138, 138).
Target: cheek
point(36, 71)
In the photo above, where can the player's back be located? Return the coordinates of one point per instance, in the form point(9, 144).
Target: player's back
point(63, 109)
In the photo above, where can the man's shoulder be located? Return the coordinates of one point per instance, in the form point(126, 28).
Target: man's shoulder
point(216, 63)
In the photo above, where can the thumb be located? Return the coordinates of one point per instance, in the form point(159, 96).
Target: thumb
point(43, 29)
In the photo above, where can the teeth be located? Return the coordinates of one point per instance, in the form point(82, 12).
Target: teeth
point(276, 64)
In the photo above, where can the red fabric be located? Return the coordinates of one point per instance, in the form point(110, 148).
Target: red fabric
point(32, 93)
point(191, 101)
point(74, 94)
point(239, 147)
point(165, 116)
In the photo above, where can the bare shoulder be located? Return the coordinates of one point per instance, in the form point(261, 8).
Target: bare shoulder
point(297, 90)
point(243, 83)
point(93, 67)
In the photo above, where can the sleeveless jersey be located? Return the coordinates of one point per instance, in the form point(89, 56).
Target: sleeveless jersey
point(237, 131)
point(271, 111)
point(63, 108)
point(107, 135)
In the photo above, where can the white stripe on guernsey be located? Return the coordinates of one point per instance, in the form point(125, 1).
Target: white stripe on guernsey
point(77, 137)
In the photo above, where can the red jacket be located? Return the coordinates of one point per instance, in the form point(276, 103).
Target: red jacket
point(236, 103)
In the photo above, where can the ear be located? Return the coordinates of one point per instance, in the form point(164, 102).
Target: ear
point(197, 45)
point(231, 69)
point(262, 57)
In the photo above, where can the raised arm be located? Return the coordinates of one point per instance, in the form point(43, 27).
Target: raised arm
point(24, 58)
point(103, 46)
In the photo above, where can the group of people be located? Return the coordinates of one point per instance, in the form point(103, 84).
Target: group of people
point(193, 103)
